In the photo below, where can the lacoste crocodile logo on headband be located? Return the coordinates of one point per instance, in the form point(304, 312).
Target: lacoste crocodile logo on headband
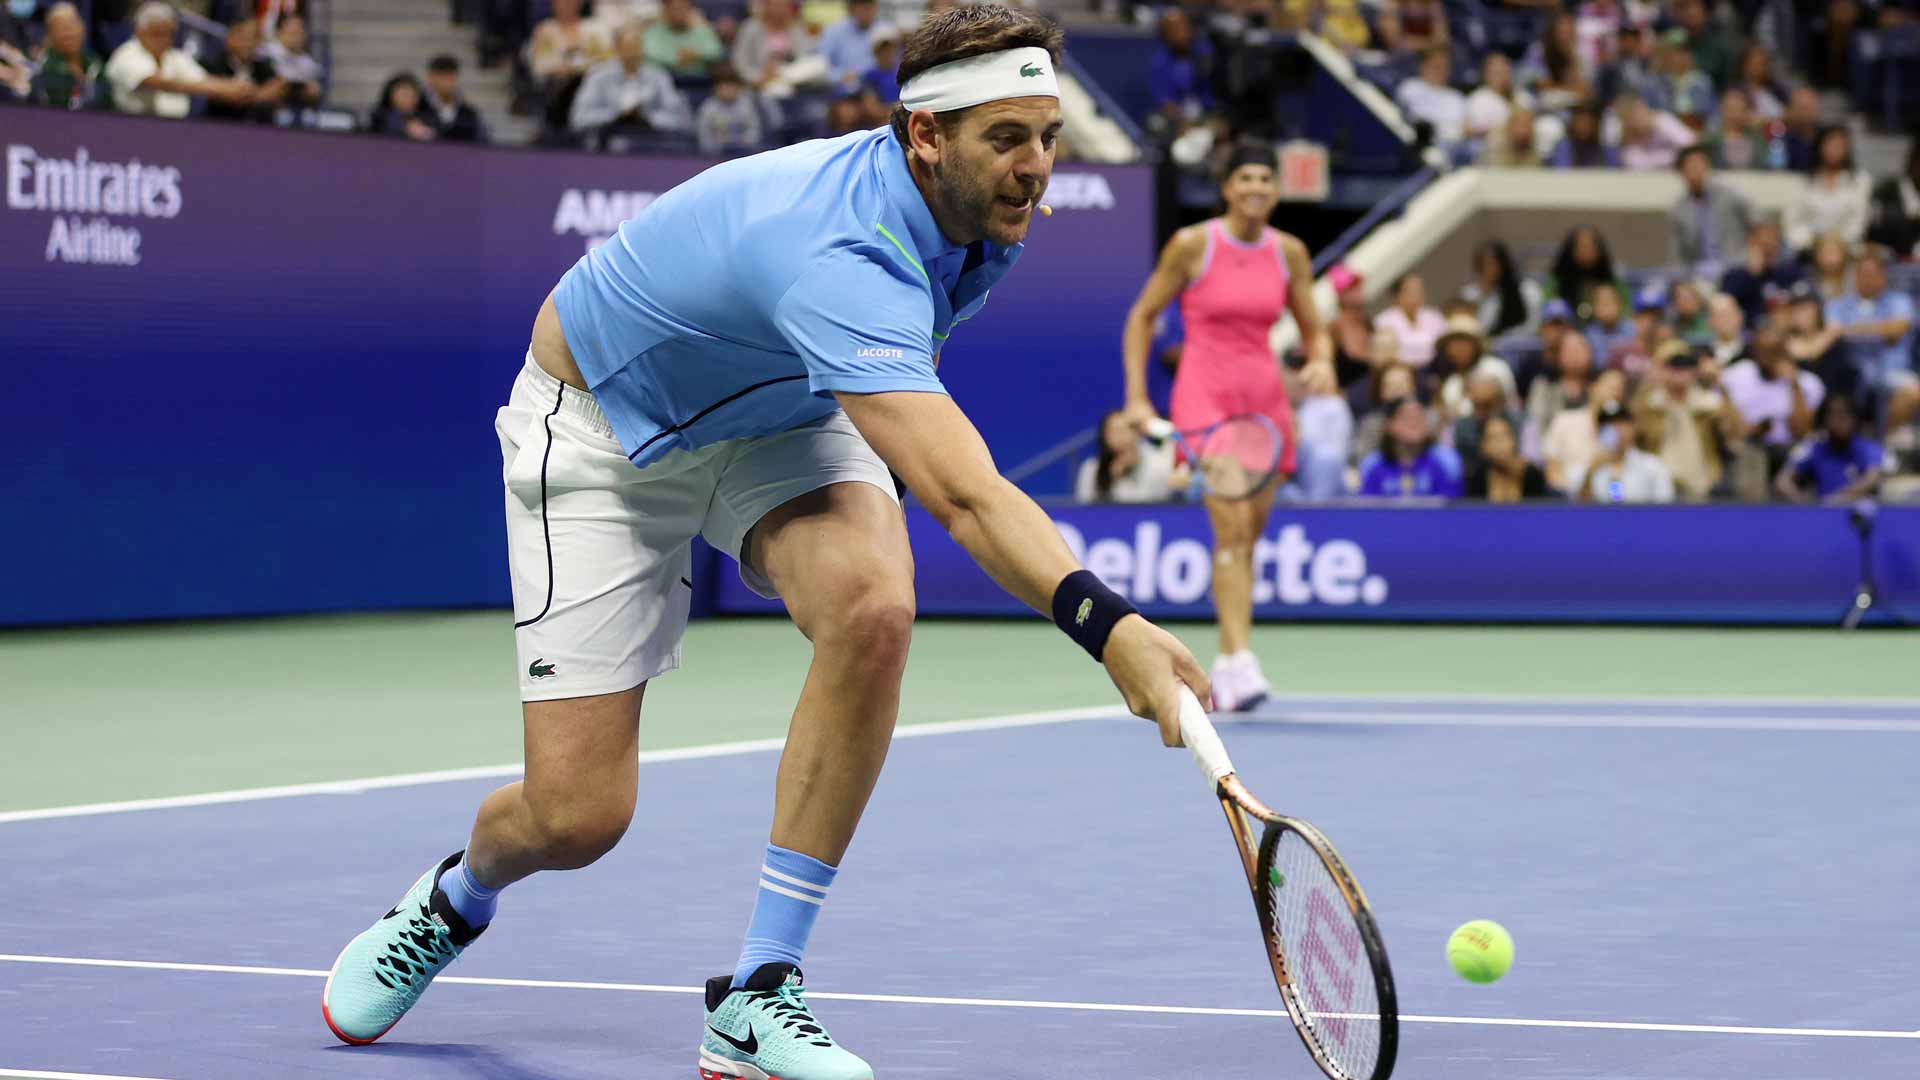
point(1028, 71)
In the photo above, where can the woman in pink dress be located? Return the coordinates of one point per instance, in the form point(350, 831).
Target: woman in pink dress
point(1234, 276)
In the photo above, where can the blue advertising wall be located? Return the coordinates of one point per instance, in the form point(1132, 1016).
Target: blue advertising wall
point(1734, 564)
point(253, 371)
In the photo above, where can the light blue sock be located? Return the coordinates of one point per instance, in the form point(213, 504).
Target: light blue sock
point(793, 887)
point(474, 901)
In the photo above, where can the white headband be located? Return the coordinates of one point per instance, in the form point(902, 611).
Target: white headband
point(976, 80)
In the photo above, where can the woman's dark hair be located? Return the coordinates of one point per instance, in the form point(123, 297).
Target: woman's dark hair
point(1819, 164)
point(1103, 466)
point(1393, 408)
point(1513, 304)
point(964, 32)
point(1249, 152)
point(385, 119)
point(1572, 282)
point(1560, 62)
point(405, 78)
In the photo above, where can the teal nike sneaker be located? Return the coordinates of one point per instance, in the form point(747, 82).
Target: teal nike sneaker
point(381, 973)
point(764, 1031)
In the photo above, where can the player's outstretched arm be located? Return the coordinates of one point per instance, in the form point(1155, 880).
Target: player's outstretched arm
point(1163, 287)
point(936, 450)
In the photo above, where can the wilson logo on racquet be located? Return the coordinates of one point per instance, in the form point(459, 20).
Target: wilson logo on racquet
point(1321, 918)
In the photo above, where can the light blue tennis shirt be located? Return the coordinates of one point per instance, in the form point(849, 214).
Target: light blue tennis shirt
point(737, 303)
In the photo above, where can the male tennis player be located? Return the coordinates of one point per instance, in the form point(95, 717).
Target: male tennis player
point(745, 360)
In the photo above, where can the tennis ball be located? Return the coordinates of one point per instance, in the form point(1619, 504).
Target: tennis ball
point(1481, 951)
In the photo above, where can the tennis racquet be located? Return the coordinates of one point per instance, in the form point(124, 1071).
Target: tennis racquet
point(1321, 940)
point(1235, 458)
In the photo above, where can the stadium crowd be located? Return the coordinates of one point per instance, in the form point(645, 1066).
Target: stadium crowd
point(723, 78)
point(257, 68)
point(1752, 371)
point(1768, 358)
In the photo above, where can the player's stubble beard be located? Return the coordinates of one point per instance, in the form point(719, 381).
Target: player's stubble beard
point(968, 195)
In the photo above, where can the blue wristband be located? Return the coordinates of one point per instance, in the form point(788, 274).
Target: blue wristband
point(1086, 610)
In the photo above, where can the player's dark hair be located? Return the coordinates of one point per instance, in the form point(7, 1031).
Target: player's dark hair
point(964, 32)
point(1250, 152)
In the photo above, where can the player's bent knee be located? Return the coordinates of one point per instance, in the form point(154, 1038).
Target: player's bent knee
point(875, 623)
point(575, 834)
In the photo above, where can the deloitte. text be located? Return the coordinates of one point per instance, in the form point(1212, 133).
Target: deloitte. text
point(1287, 568)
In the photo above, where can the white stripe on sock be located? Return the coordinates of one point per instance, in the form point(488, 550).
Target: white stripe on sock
point(771, 887)
point(791, 880)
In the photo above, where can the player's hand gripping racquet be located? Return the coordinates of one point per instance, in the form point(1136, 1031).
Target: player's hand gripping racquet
point(1320, 937)
point(1236, 458)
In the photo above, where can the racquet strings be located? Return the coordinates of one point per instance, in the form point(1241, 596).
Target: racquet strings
point(1238, 457)
point(1326, 957)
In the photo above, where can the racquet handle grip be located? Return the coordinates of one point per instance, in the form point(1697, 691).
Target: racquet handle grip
point(1196, 730)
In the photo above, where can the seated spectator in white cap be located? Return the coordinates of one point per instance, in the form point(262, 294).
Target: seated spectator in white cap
point(1620, 471)
point(1463, 357)
point(149, 76)
point(1686, 420)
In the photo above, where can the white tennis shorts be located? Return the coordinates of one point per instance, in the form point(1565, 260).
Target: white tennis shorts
point(600, 551)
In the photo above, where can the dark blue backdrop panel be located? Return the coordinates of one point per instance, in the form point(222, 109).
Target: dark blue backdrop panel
point(1741, 564)
point(256, 371)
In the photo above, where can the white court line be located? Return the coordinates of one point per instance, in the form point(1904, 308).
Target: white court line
point(1680, 701)
point(1675, 722)
point(989, 1003)
point(42, 1074)
point(486, 772)
point(1058, 716)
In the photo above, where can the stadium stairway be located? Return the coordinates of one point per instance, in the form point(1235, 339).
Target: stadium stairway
point(375, 39)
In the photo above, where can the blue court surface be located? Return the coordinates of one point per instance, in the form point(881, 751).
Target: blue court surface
point(1698, 889)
